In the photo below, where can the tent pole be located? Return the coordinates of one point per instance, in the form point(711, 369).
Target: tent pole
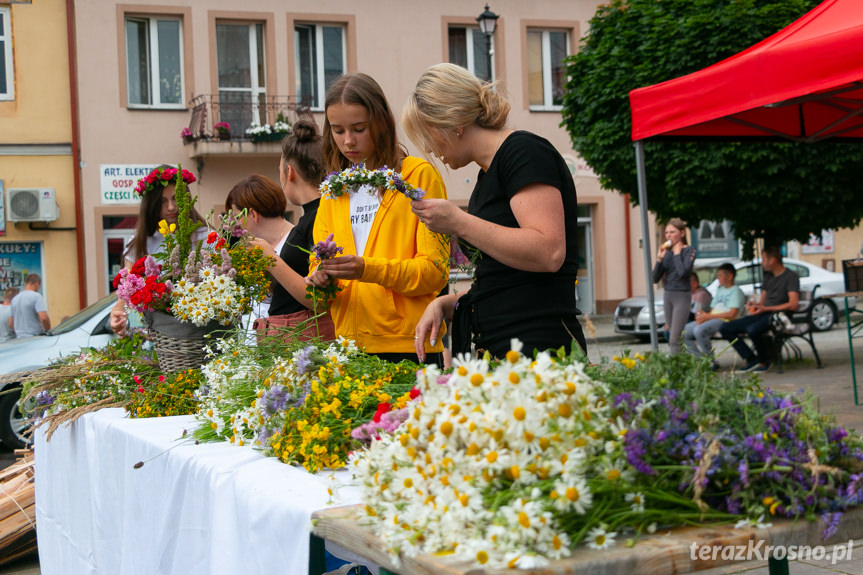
point(645, 233)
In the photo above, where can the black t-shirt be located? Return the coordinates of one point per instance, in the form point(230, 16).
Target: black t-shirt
point(777, 288)
point(298, 260)
point(523, 159)
point(538, 308)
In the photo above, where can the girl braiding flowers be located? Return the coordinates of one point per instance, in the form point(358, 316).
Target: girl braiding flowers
point(392, 265)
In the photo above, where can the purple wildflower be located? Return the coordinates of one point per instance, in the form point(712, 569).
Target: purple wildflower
point(416, 194)
point(301, 400)
point(264, 434)
point(732, 505)
point(754, 443)
point(836, 434)
point(634, 446)
point(44, 398)
point(303, 360)
point(274, 400)
point(854, 486)
point(743, 470)
point(398, 183)
point(832, 521)
point(326, 249)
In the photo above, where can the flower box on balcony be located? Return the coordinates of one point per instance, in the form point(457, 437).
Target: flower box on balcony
point(272, 137)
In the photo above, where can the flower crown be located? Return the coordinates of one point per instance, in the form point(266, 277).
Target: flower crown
point(350, 179)
point(162, 177)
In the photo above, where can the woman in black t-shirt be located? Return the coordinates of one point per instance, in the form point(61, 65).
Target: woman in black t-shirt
point(522, 219)
point(301, 170)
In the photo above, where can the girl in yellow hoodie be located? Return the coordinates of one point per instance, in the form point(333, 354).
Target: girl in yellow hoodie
point(392, 266)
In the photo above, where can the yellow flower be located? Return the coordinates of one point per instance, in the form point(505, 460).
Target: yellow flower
point(166, 229)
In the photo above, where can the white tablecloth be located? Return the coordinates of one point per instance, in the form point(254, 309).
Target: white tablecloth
point(194, 509)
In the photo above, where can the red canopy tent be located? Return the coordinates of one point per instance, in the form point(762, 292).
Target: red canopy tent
point(804, 83)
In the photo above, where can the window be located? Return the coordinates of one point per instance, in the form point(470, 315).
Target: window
point(7, 79)
point(242, 81)
point(154, 62)
point(801, 271)
point(748, 275)
point(320, 58)
point(116, 233)
point(468, 47)
point(546, 70)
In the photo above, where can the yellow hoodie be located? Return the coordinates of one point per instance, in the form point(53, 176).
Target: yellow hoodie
point(406, 266)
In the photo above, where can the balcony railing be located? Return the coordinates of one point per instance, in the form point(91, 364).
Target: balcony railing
point(240, 111)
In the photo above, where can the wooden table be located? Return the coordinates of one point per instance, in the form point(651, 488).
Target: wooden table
point(668, 552)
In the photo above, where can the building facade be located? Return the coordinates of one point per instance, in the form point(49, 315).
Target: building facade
point(39, 204)
point(154, 69)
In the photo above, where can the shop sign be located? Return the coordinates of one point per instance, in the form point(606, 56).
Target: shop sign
point(17, 261)
point(715, 240)
point(819, 243)
point(118, 182)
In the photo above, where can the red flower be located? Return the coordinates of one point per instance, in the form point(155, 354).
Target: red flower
point(138, 267)
point(211, 237)
point(382, 409)
point(220, 244)
point(414, 393)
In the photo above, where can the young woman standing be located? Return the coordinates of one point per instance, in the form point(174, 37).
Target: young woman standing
point(392, 265)
point(674, 264)
point(521, 221)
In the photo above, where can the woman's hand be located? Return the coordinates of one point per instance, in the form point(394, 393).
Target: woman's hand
point(317, 279)
point(344, 267)
point(266, 246)
point(119, 319)
point(664, 247)
point(439, 216)
point(428, 327)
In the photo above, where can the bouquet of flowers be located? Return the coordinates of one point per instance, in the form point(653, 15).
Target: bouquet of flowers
point(196, 281)
point(513, 463)
point(300, 407)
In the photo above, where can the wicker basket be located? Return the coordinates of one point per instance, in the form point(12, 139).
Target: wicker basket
point(179, 346)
